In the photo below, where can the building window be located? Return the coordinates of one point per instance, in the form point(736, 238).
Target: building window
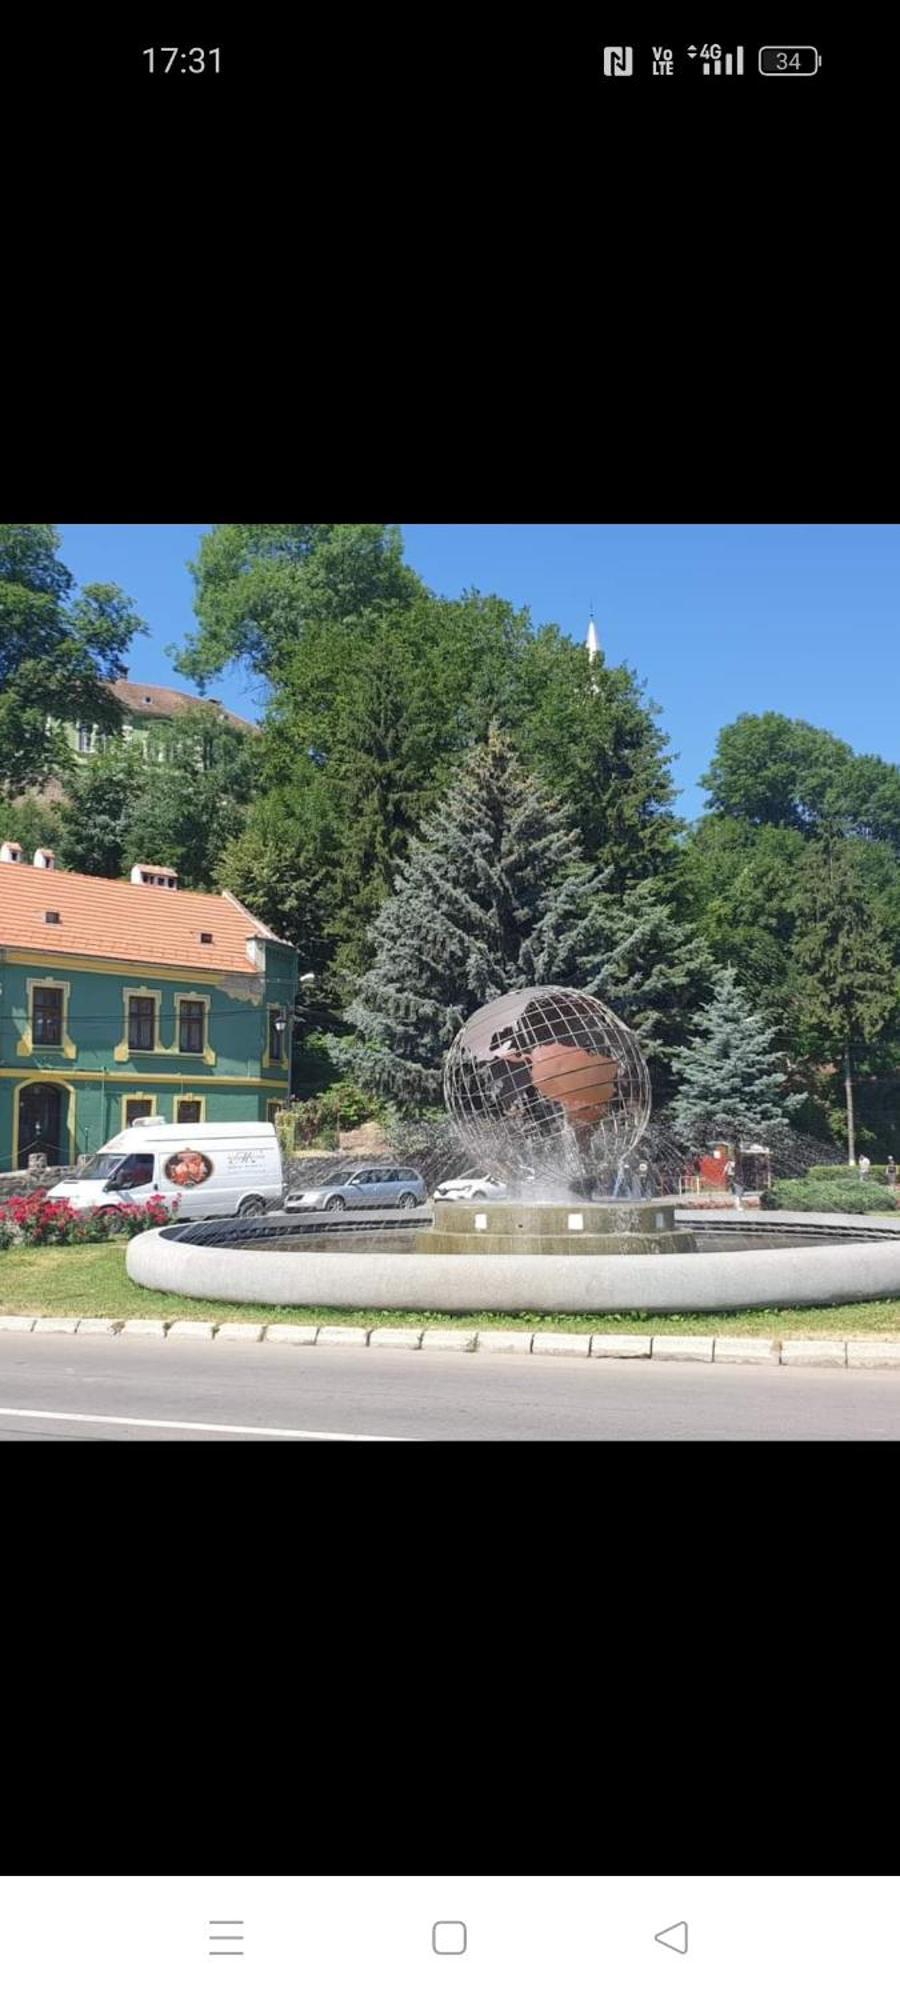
point(276, 1035)
point(191, 1025)
point(189, 1111)
point(47, 1016)
point(85, 738)
point(141, 1021)
point(138, 1107)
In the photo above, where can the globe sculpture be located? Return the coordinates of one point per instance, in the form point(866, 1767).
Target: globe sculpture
point(548, 1085)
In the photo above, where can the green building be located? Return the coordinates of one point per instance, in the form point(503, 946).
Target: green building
point(121, 1000)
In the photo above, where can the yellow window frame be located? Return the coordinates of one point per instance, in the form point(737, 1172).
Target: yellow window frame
point(207, 1054)
point(25, 1046)
point(137, 1097)
point(191, 1097)
point(122, 1052)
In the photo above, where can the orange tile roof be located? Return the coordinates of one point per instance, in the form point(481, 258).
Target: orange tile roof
point(143, 699)
point(104, 919)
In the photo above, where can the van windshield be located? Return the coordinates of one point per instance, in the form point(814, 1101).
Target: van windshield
point(99, 1167)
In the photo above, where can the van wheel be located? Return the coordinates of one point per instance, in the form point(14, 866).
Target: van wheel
point(407, 1201)
point(254, 1205)
point(335, 1201)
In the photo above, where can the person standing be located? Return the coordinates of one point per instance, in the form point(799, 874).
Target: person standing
point(864, 1165)
point(890, 1173)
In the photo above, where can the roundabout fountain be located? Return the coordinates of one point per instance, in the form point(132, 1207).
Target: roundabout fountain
point(549, 1089)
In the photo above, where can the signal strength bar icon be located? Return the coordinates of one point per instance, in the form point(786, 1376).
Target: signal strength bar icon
point(733, 64)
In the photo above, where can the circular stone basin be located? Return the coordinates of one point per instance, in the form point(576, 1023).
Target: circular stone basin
point(839, 1259)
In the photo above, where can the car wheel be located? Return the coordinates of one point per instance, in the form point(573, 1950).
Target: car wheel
point(407, 1201)
point(335, 1201)
point(254, 1205)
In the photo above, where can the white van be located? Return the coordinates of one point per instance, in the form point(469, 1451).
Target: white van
point(211, 1169)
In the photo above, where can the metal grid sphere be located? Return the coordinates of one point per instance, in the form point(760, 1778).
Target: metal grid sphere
point(548, 1085)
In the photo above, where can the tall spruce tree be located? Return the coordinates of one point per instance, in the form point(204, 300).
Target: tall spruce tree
point(732, 1083)
point(493, 895)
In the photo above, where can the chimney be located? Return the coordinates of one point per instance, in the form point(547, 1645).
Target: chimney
point(44, 857)
point(153, 876)
point(11, 850)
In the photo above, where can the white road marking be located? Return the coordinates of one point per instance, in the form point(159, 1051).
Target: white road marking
point(225, 1430)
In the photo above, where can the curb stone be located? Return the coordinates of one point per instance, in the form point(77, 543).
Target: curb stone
point(504, 1340)
point(742, 1347)
point(683, 1347)
point(621, 1346)
point(343, 1336)
point(865, 1352)
point(561, 1343)
point(814, 1354)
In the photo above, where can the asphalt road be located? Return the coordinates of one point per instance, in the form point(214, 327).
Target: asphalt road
point(69, 1386)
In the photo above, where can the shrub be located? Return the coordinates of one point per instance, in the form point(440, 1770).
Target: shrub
point(318, 1120)
point(40, 1219)
point(847, 1197)
point(845, 1173)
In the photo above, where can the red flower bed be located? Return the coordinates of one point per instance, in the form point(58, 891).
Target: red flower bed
point(39, 1218)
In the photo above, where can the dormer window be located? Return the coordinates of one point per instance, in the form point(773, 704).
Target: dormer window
point(206, 937)
point(51, 917)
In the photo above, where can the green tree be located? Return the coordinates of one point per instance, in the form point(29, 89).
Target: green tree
point(258, 588)
point(203, 778)
point(731, 1079)
point(769, 770)
point(656, 972)
point(590, 732)
point(179, 805)
point(492, 895)
point(846, 981)
point(738, 887)
point(58, 652)
point(96, 813)
point(279, 866)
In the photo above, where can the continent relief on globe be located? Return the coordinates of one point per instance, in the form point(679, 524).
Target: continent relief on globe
point(582, 1082)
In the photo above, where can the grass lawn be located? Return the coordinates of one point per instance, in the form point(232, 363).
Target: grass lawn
point(89, 1279)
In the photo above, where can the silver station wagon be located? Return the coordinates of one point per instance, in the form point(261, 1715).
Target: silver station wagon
point(370, 1187)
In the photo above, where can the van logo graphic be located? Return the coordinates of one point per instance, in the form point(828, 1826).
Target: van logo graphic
point(250, 1159)
point(188, 1169)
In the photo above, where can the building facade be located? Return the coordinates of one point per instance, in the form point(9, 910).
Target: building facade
point(143, 707)
point(132, 999)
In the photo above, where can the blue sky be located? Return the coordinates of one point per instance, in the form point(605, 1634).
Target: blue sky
point(715, 619)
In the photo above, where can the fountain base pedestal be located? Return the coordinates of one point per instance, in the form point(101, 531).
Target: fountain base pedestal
point(564, 1228)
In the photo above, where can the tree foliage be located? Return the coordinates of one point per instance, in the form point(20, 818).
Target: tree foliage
point(731, 1080)
point(58, 652)
point(178, 805)
point(258, 589)
point(492, 895)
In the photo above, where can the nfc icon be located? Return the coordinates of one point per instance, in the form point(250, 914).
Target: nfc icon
point(618, 62)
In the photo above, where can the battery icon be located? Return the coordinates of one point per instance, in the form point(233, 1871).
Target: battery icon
point(789, 61)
